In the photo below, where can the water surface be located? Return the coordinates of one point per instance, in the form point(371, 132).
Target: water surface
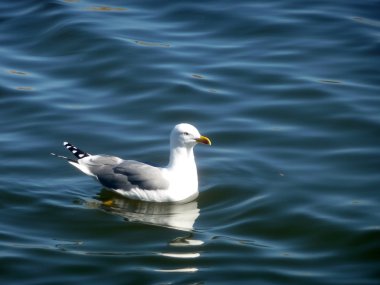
point(288, 93)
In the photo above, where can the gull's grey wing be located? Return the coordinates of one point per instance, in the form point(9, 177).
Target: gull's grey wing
point(142, 175)
point(115, 173)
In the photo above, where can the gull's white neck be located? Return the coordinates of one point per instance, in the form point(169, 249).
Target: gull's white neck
point(181, 158)
point(183, 172)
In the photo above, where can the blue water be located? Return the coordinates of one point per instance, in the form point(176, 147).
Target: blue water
point(288, 91)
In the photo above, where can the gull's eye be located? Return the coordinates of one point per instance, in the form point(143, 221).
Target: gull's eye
point(186, 133)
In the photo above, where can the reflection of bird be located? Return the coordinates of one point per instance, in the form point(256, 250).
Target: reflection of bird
point(139, 181)
point(179, 216)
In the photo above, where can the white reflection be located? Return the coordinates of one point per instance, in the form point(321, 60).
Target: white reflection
point(187, 269)
point(180, 255)
point(177, 216)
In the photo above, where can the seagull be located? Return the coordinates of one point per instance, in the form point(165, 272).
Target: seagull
point(177, 182)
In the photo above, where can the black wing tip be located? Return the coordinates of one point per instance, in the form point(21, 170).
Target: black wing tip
point(75, 151)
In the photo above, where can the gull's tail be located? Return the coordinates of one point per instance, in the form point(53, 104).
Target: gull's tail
point(79, 154)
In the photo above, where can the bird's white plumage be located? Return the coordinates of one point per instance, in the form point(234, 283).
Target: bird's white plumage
point(135, 180)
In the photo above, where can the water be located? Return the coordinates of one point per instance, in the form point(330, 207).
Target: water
point(288, 91)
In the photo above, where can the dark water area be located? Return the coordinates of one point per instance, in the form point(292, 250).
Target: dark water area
point(288, 91)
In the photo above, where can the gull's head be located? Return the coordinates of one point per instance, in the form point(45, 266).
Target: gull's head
point(186, 135)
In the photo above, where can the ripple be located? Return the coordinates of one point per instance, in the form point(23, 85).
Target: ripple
point(291, 104)
point(197, 76)
point(106, 9)
point(16, 72)
point(366, 21)
point(330, 81)
point(25, 88)
point(147, 43)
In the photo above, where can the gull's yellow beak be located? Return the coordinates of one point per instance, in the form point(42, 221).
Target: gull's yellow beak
point(204, 140)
